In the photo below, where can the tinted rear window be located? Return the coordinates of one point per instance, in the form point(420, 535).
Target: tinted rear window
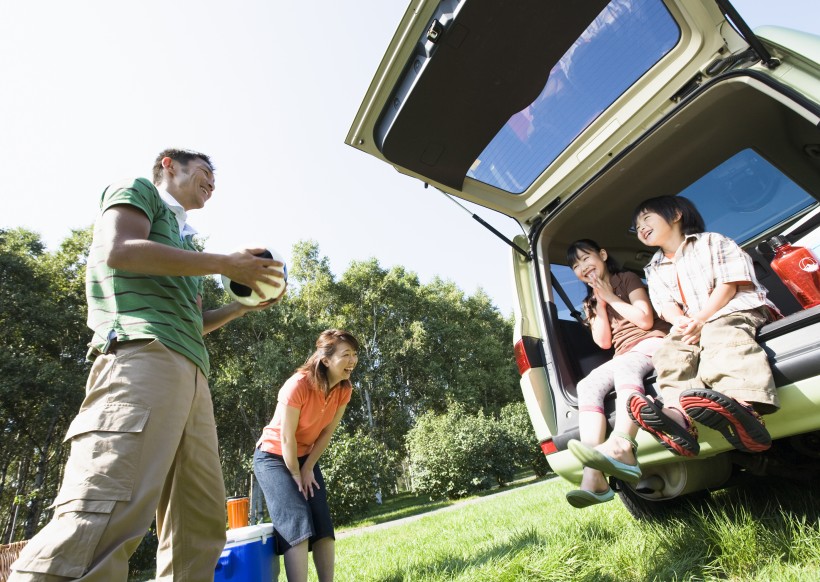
point(741, 198)
point(622, 43)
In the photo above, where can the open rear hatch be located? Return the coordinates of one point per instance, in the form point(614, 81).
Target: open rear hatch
point(513, 103)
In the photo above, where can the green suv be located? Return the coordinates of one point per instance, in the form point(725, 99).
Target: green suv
point(564, 116)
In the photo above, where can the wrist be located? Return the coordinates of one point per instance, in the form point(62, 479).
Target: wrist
point(699, 318)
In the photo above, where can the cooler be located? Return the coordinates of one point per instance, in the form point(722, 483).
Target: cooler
point(248, 555)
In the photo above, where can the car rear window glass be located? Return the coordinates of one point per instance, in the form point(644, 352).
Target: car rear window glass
point(741, 198)
point(626, 39)
point(572, 286)
point(745, 196)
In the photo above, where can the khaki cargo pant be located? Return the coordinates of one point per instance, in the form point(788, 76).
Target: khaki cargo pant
point(144, 442)
point(728, 359)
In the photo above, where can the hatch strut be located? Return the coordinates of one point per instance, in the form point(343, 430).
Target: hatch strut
point(487, 225)
point(729, 11)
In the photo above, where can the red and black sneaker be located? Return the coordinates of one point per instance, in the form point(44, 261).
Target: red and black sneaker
point(647, 414)
point(738, 423)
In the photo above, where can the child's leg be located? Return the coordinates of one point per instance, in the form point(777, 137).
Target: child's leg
point(676, 364)
point(591, 419)
point(734, 364)
point(616, 455)
point(737, 370)
point(629, 371)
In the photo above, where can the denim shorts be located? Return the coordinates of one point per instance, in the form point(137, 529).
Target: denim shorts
point(295, 519)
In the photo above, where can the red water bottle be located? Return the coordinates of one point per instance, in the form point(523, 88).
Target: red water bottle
point(797, 267)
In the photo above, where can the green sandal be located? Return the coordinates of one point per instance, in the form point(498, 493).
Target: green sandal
point(594, 459)
point(580, 498)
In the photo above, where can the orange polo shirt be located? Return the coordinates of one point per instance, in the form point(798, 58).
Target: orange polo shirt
point(315, 414)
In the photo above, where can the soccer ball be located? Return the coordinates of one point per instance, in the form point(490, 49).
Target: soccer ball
point(246, 296)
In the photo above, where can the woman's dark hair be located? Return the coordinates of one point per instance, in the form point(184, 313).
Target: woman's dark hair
point(669, 207)
point(590, 246)
point(326, 346)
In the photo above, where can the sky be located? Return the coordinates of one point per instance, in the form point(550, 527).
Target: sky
point(91, 91)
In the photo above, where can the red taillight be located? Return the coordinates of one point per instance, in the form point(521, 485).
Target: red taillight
point(548, 447)
point(521, 358)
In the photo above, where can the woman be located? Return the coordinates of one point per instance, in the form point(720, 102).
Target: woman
point(311, 404)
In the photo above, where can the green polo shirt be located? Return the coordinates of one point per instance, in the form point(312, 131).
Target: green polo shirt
point(133, 306)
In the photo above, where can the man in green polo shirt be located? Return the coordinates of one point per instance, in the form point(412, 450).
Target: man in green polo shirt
point(144, 442)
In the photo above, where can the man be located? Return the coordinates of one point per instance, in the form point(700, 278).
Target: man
point(144, 441)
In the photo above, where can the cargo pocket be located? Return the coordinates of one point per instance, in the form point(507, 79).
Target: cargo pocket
point(106, 447)
point(66, 546)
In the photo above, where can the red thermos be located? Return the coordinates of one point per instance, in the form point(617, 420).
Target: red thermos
point(798, 268)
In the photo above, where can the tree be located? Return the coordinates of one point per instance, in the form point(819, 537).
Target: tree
point(525, 453)
point(426, 349)
point(457, 453)
point(355, 468)
point(42, 366)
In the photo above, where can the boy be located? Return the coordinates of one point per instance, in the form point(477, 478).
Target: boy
point(703, 283)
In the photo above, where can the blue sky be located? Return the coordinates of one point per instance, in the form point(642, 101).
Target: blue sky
point(92, 90)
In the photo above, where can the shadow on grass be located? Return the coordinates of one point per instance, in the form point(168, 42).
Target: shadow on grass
point(737, 532)
point(451, 566)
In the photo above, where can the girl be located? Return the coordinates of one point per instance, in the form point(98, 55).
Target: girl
point(311, 404)
point(704, 284)
point(619, 315)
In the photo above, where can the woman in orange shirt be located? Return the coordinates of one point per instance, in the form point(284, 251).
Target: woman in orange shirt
point(311, 404)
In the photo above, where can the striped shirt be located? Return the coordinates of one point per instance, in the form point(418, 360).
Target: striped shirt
point(703, 261)
point(132, 306)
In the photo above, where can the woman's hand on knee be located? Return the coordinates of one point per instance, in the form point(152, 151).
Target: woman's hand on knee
point(308, 482)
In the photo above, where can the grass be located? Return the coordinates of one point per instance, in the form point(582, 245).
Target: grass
point(769, 533)
point(408, 504)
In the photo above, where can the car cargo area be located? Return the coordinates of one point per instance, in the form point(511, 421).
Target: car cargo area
point(727, 129)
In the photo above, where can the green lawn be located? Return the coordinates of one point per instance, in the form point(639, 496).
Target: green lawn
point(407, 504)
point(767, 533)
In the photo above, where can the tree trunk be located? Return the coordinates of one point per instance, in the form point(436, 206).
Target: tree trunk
point(36, 506)
point(22, 478)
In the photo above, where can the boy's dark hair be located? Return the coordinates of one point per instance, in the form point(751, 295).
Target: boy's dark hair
point(669, 207)
point(181, 156)
point(590, 246)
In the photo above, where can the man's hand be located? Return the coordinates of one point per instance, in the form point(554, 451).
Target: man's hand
point(246, 268)
point(262, 306)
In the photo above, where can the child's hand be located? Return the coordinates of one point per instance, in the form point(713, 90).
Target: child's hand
point(688, 328)
point(603, 289)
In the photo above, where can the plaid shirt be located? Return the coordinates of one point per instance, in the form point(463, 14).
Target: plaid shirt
point(702, 262)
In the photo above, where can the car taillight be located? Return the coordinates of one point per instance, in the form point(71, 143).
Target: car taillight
point(521, 358)
point(528, 354)
point(548, 447)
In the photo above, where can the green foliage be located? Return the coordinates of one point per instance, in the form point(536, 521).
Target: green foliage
point(423, 345)
point(356, 468)
point(457, 453)
point(525, 452)
point(42, 368)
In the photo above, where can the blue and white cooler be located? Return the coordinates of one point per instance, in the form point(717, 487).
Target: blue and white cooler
point(248, 555)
